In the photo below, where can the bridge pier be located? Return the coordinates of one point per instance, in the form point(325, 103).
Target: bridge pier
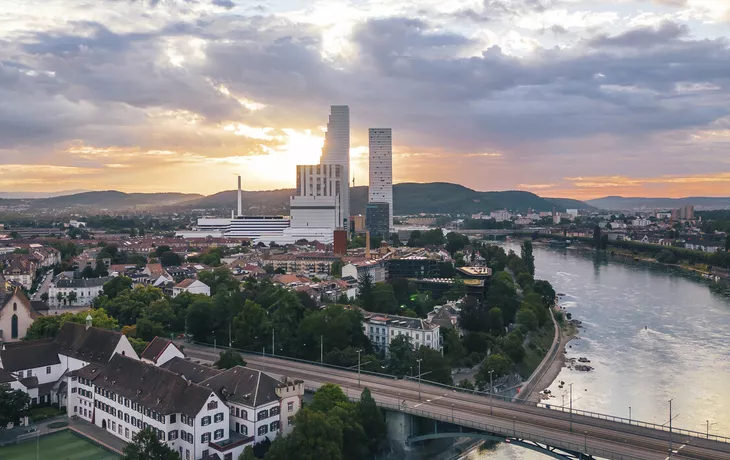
point(400, 428)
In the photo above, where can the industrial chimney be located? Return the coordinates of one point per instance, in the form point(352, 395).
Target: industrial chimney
point(239, 197)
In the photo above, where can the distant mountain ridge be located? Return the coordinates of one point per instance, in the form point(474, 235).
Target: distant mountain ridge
point(619, 203)
point(107, 199)
point(408, 198)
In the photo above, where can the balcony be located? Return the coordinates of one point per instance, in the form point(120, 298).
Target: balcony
point(234, 440)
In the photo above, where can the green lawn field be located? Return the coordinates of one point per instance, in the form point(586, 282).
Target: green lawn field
point(59, 446)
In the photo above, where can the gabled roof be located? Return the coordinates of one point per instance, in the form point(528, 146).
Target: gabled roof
point(32, 354)
point(189, 370)
point(185, 283)
point(6, 376)
point(154, 387)
point(155, 348)
point(82, 282)
point(244, 386)
point(93, 345)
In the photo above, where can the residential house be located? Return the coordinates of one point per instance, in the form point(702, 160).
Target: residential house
point(161, 350)
point(85, 289)
point(192, 286)
point(376, 268)
point(705, 243)
point(17, 313)
point(19, 268)
point(381, 329)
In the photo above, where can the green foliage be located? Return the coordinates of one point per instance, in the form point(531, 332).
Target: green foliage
point(402, 357)
point(146, 446)
point(116, 286)
point(137, 344)
point(327, 397)
point(219, 279)
point(46, 327)
point(495, 256)
point(336, 269)
point(148, 329)
point(499, 363)
point(438, 368)
point(384, 300)
point(251, 327)
point(161, 249)
point(170, 259)
point(528, 257)
point(315, 437)
point(456, 242)
point(496, 321)
point(365, 291)
point(512, 347)
point(14, 406)
point(336, 328)
point(502, 294)
point(666, 257)
point(420, 239)
point(474, 316)
point(372, 421)
point(546, 291)
point(247, 454)
point(527, 320)
point(228, 359)
point(466, 384)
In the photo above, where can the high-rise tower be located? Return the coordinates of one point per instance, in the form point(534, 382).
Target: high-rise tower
point(381, 169)
point(336, 151)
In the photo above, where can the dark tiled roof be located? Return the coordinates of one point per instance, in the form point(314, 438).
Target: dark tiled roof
point(29, 355)
point(30, 382)
point(92, 345)
point(6, 377)
point(39, 305)
point(194, 372)
point(82, 282)
point(244, 386)
point(153, 387)
point(154, 348)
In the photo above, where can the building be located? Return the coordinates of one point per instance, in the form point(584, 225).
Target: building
point(310, 263)
point(17, 313)
point(192, 286)
point(477, 273)
point(42, 366)
point(705, 243)
point(317, 201)
point(683, 213)
point(377, 218)
point(377, 269)
point(501, 215)
point(340, 242)
point(19, 269)
point(336, 151)
point(380, 188)
point(357, 224)
point(414, 266)
point(85, 291)
point(439, 286)
point(381, 329)
point(161, 350)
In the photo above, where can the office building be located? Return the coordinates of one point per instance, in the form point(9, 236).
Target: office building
point(380, 189)
point(376, 219)
point(336, 151)
point(317, 201)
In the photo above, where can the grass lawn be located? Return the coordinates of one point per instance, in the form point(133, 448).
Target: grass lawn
point(59, 446)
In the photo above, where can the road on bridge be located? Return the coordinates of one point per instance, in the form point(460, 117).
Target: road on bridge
point(599, 437)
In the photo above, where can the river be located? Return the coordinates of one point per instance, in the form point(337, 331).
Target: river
point(683, 354)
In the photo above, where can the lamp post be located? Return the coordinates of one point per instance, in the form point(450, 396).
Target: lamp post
point(452, 413)
point(321, 348)
point(571, 406)
point(358, 367)
point(491, 393)
point(419, 378)
point(514, 427)
point(629, 415)
point(670, 428)
point(708, 428)
point(273, 353)
point(585, 442)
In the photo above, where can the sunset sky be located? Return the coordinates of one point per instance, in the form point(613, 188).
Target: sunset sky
point(572, 98)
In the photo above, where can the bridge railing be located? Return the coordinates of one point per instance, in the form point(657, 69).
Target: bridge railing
point(486, 394)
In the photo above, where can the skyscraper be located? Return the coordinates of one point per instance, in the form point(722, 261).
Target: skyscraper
point(336, 151)
point(381, 169)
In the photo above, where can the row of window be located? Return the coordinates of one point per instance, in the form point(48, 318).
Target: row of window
point(29, 372)
point(382, 330)
point(205, 421)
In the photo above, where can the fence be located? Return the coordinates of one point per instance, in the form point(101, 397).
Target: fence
point(516, 403)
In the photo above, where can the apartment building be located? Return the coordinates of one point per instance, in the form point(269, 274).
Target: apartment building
point(381, 329)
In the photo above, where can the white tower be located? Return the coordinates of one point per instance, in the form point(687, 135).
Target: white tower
point(381, 169)
point(336, 151)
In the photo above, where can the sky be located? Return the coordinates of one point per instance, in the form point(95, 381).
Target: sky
point(568, 98)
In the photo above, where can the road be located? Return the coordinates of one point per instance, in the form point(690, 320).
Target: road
point(600, 437)
point(44, 286)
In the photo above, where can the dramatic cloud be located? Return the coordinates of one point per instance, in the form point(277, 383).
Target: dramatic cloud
point(527, 93)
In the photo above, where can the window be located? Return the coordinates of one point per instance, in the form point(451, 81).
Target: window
point(274, 411)
point(234, 411)
point(290, 421)
point(173, 418)
point(126, 433)
point(205, 421)
point(172, 435)
point(243, 430)
point(262, 414)
point(244, 414)
point(218, 434)
point(263, 429)
point(73, 390)
point(213, 405)
point(120, 429)
point(274, 426)
point(205, 437)
point(183, 419)
point(187, 454)
point(206, 454)
point(75, 409)
point(48, 369)
point(290, 406)
point(114, 426)
point(228, 456)
point(30, 373)
point(126, 418)
point(218, 417)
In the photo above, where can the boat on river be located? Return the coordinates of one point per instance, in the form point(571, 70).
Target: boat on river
point(560, 244)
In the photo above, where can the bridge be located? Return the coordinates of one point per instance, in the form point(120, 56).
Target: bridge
point(556, 432)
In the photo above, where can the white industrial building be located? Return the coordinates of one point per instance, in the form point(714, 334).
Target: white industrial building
point(336, 151)
point(380, 189)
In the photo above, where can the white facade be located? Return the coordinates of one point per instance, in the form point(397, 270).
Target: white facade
point(336, 151)
point(318, 191)
point(381, 329)
point(380, 189)
point(16, 316)
point(86, 291)
point(196, 287)
point(376, 269)
point(501, 216)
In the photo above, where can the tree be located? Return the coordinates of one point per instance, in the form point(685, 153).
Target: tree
point(384, 300)
point(59, 297)
point(336, 268)
point(169, 259)
point(666, 257)
point(727, 242)
point(365, 291)
point(116, 286)
point(354, 440)
point(247, 454)
point(496, 321)
point(200, 319)
point(228, 359)
point(546, 291)
point(597, 237)
point(315, 437)
point(251, 327)
point(526, 319)
point(72, 296)
point(148, 329)
point(513, 347)
point(327, 397)
point(87, 272)
point(218, 279)
point(44, 297)
point(100, 269)
point(402, 357)
point(438, 367)
point(498, 363)
point(473, 316)
point(146, 446)
point(372, 421)
point(14, 406)
point(161, 249)
point(456, 242)
point(466, 384)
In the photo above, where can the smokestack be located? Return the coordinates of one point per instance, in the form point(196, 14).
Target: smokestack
point(239, 196)
point(367, 245)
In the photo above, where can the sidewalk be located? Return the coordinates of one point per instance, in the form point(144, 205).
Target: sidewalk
point(97, 435)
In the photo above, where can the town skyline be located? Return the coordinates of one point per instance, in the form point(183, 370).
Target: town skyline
point(574, 99)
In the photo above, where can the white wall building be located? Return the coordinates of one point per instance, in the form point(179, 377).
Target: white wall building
point(336, 151)
point(380, 189)
point(16, 315)
point(317, 201)
point(501, 216)
point(192, 286)
point(86, 290)
point(381, 329)
point(378, 269)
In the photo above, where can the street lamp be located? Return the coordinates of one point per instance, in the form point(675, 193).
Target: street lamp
point(358, 367)
point(571, 406)
point(670, 428)
point(629, 415)
point(419, 378)
point(585, 442)
point(708, 428)
point(491, 393)
point(321, 348)
point(273, 353)
point(452, 412)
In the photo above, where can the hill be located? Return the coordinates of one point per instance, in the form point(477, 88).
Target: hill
point(619, 203)
point(408, 198)
point(110, 199)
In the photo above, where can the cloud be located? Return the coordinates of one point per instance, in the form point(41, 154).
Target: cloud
point(643, 37)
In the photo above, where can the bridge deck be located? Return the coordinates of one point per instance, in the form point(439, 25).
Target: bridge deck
point(600, 437)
